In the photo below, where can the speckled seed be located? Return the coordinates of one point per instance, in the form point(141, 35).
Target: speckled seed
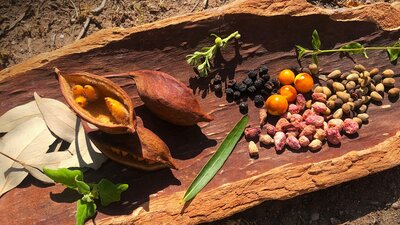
point(357, 120)
point(394, 92)
point(363, 116)
point(350, 85)
point(315, 145)
point(388, 82)
point(332, 98)
point(338, 102)
point(318, 89)
point(330, 104)
point(360, 68)
point(313, 68)
point(326, 91)
point(362, 109)
point(308, 104)
point(388, 73)
point(376, 96)
point(352, 77)
point(366, 99)
point(346, 108)
point(335, 74)
point(358, 103)
point(338, 86)
point(338, 114)
point(343, 95)
point(377, 78)
point(380, 87)
point(374, 71)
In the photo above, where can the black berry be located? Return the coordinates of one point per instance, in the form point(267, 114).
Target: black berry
point(243, 108)
point(274, 91)
point(241, 87)
point(236, 94)
point(259, 83)
point(295, 69)
point(229, 91)
point(263, 70)
point(218, 88)
point(265, 77)
point(258, 100)
point(248, 81)
point(217, 79)
point(275, 82)
point(252, 89)
point(231, 83)
point(252, 74)
point(263, 92)
point(269, 86)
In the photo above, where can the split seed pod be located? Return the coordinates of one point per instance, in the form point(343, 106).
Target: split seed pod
point(96, 112)
point(142, 150)
point(168, 98)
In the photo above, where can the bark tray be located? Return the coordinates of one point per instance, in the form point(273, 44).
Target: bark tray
point(269, 31)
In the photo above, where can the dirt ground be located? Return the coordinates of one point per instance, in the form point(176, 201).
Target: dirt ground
point(28, 28)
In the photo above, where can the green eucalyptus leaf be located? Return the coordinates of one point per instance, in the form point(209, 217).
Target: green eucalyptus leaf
point(83, 188)
point(110, 192)
point(354, 48)
point(64, 176)
point(300, 52)
point(394, 53)
point(218, 159)
point(84, 211)
point(315, 41)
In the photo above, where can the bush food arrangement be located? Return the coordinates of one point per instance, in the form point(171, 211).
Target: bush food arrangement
point(300, 109)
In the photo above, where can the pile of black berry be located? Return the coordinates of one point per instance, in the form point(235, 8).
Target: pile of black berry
point(257, 86)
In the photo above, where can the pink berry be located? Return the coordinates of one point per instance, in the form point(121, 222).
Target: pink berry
point(315, 120)
point(319, 107)
point(333, 135)
point(279, 140)
point(350, 126)
point(319, 97)
point(293, 143)
point(293, 109)
point(301, 102)
point(270, 129)
point(304, 141)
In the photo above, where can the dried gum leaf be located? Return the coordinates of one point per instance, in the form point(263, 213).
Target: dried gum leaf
point(15, 116)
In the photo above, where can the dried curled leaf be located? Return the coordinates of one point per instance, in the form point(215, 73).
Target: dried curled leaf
point(142, 150)
point(90, 103)
point(168, 98)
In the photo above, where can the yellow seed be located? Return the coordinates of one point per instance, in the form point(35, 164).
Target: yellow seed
point(90, 93)
point(117, 110)
point(103, 118)
point(81, 101)
point(77, 90)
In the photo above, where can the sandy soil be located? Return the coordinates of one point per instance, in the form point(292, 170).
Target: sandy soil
point(29, 28)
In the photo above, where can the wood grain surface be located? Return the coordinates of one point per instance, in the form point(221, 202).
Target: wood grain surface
point(269, 31)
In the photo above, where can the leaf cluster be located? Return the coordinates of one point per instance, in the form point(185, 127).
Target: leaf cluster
point(105, 190)
point(202, 59)
point(348, 49)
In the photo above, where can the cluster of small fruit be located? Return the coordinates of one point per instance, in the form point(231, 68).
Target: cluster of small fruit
point(257, 86)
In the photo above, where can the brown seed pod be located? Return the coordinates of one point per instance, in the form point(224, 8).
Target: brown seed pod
point(168, 98)
point(96, 112)
point(141, 150)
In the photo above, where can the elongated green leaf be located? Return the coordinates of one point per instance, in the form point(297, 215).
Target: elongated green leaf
point(110, 192)
point(64, 176)
point(83, 188)
point(315, 41)
point(394, 53)
point(217, 160)
point(84, 211)
point(300, 51)
point(353, 48)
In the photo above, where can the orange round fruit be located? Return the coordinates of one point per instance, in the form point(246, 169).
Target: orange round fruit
point(289, 92)
point(286, 76)
point(303, 82)
point(276, 104)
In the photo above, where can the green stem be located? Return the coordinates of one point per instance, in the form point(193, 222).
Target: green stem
point(316, 52)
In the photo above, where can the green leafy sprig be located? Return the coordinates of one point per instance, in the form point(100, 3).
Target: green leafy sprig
point(217, 160)
point(350, 49)
point(202, 59)
point(105, 190)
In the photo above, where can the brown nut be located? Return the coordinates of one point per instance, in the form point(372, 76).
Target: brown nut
point(95, 112)
point(141, 150)
point(168, 98)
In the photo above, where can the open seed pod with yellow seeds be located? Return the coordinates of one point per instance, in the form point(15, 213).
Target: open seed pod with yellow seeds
point(141, 150)
point(99, 101)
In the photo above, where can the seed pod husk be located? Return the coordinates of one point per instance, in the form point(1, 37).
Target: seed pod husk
point(394, 92)
point(380, 88)
point(335, 74)
point(376, 96)
point(360, 68)
point(142, 150)
point(388, 82)
point(388, 73)
point(96, 112)
point(168, 98)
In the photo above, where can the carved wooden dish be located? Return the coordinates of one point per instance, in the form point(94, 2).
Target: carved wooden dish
point(269, 31)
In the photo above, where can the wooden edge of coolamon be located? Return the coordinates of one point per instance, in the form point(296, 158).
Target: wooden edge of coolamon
point(386, 16)
point(279, 183)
